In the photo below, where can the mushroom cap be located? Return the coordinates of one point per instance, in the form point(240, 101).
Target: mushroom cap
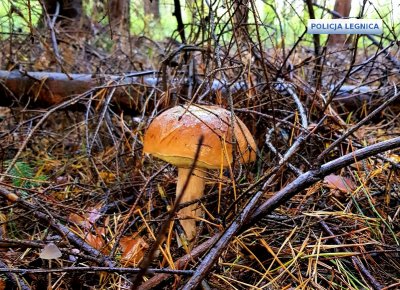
point(173, 137)
point(50, 251)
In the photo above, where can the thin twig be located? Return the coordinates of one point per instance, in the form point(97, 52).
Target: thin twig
point(302, 182)
point(313, 176)
point(358, 125)
point(148, 258)
point(96, 269)
point(19, 283)
point(180, 263)
point(63, 230)
point(374, 283)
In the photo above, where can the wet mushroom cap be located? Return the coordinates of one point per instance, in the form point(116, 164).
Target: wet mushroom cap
point(173, 135)
point(50, 251)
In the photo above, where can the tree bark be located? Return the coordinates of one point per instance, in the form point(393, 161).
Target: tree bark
point(117, 11)
point(342, 7)
point(42, 89)
point(152, 7)
point(46, 89)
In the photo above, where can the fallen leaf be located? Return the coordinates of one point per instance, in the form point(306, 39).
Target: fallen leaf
point(95, 241)
point(86, 220)
point(343, 184)
point(2, 284)
point(77, 219)
point(133, 250)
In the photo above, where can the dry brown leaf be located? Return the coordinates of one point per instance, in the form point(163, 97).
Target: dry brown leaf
point(77, 219)
point(344, 184)
point(133, 250)
point(2, 284)
point(96, 241)
point(86, 220)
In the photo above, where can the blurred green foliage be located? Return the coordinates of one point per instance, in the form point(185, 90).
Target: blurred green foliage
point(280, 22)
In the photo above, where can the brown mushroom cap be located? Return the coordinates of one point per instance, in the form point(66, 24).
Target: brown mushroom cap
point(173, 137)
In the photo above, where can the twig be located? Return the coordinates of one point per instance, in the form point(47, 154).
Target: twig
point(375, 284)
point(96, 269)
point(99, 121)
point(19, 283)
point(40, 122)
point(180, 263)
point(312, 176)
point(317, 48)
point(357, 126)
point(12, 243)
point(147, 259)
point(52, 23)
point(124, 227)
point(302, 111)
point(303, 181)
point(276, 152)
point(73, 238)
point(178, 14)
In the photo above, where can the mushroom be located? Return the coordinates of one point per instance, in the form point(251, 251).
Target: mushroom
point(173, 136)
point(50, 252)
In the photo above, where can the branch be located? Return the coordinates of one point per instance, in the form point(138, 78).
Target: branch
point(19, 283)
point(46, 89)
point(178, 14)
point(375, 284)
point(307, 179)
point(63, 230)
point(302, 182)
point(95, 269)
point(180, 263)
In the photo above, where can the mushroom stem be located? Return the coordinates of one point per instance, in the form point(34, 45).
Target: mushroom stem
point(194, 190)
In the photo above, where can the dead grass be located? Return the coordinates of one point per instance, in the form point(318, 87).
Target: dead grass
point(86, 172)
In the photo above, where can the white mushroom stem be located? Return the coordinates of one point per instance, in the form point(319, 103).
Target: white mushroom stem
point(194, 190)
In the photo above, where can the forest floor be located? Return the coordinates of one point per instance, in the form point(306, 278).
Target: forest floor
point(75, 179)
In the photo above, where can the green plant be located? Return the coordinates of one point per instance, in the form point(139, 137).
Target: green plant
point(23, 175)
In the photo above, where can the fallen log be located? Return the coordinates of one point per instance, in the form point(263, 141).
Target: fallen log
point(46, 89)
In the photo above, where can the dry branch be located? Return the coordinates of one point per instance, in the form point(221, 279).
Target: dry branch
point(302, 182)
point(63, 230)
point(19, 283)
point(180, 263)
point(46, 89)
point(43, 89)
point(94, 269)
point(375, 284)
